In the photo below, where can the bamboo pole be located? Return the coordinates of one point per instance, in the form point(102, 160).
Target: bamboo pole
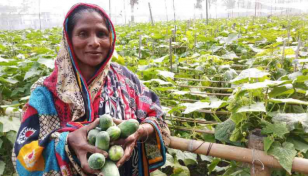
point(209, 111)
point(183, 119)
point(170, 53)
point(150, 9)
point(255, 141)
point(192, 130)
point(201, 80)
point(234, 153)
point(207, 87)
point(140, 43)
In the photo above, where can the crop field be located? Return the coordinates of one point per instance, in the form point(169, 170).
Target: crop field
point(216, 83)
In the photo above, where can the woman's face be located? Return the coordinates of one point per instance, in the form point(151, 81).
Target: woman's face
point(90, 39)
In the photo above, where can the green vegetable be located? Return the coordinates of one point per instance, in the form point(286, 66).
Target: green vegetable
point(128, 127)
point(105, 121)
point(114, 133)
point(102, 140)
point(96, 161)
point(92, 136)
point(116, 152)
point(110, 169)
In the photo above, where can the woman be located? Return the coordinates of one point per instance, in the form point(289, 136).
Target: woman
point(64, 106)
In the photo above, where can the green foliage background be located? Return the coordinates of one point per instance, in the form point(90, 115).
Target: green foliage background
point(260, 62)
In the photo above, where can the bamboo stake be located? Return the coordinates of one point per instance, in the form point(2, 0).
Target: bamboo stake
point(214, 94)
point(170, 53)
point(150, 9)
point(255, 141)
point(201, 80)
point(207, 87)
point(234, 153)
point(192, 130)
point(182, 119)
point(140, 43)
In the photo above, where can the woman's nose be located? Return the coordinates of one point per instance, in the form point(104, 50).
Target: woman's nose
point(94, 41)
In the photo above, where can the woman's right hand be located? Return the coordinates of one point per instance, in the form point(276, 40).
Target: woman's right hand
point(77, 141)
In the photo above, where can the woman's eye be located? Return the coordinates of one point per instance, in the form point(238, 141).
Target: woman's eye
point(101, 34)
point(82, 34)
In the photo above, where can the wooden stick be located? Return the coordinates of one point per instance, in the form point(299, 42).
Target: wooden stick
point(150, 9)
point(140, 43)
point(234, 153)
point(170, 54)
point(218, 94)
point(183, 119)
point(201, 80)
point(207, 87)
point(209, 111)
point(255, 141)
point(193, 130)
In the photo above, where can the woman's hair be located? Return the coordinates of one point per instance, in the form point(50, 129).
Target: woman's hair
point(76, 15)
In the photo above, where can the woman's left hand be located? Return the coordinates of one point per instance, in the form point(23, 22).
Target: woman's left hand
point(129, 143)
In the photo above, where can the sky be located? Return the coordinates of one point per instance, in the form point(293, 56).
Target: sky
point(161, 9)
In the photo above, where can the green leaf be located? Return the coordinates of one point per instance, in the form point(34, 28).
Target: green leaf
point(206, 158)
point(292, 119)
point(299, 144)
point(190, 158)
point(268, 141)
point(2, 167)
point(260, 85)
point(284, 153)
point(224, 130)
point(288, 100)
point(281, 90)
point(247, 74)
point(31, 73)
point(278, 129)
point(158, 173)
point(11, 136)
point(213, 165)
point(257, 107)
point(1, 142)
point(10, 123)
point(49, 63)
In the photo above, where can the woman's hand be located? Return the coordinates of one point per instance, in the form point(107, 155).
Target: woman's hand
point(144, 132)
point(77, 140)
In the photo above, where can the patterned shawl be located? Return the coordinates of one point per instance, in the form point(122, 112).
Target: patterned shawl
point(65, 101)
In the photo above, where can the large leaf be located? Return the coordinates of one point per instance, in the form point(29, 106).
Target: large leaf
point(2, 167)
point(191, 107)
point(260, 85)
point(31, 73)
point(292, 119)
point(224, 130)
point(10, 123)
point(288, 100)
point(257, 107)
point(166, 74)
point(299, 144)
point(245, 75)
point(284, 153)
point(278, 129)
point(49, 63)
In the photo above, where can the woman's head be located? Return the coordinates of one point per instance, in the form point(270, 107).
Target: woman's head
point(89, 34)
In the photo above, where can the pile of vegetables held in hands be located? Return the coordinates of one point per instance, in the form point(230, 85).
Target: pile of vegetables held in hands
point(101, 137)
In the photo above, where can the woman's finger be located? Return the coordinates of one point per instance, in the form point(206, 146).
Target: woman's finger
point(93, 124)
point(93, 149)
point(126, 156)
point(118, 142)
point(117, 121)
point(85, 165)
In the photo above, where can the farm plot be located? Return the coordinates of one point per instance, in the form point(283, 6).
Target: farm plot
point(216, 83)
